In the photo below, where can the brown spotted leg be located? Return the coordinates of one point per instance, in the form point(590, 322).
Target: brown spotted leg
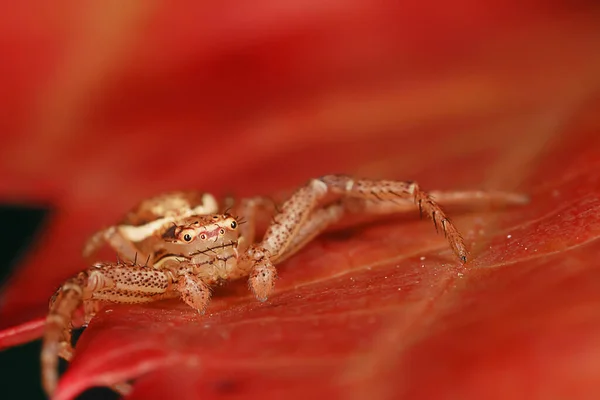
point(194, 292)
point(316, 224)
point(252, 212)
point(471, 199)
point(323, 218)
point(294, 225)
point(259, 258)
point(80, 319)
point(90, 309)
point(57, 336)
point(112, 237)
point(112, 282)
point(391, 191)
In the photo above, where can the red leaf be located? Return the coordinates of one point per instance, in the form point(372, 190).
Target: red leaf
point(384, 312)
point(257, 99)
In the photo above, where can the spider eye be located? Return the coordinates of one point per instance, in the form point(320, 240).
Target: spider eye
point(233, 225)
point(203, 236)
point(222, 231)
point(187, 237)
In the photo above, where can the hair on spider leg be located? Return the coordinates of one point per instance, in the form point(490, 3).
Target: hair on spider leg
point(443, 222)
point(274, 220)
point(226, 212)
point(374, 193)
point(434, 222)
point(396, 201)
point(275, 205)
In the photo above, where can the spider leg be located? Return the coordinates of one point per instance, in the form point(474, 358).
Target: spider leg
point(258, 260)
point(471, 199)
point(323, 218)
point(57, 335)
point(316, 224)
point(475, 198)
point(112, 237)
point(194, 292)
point(94, 243)
point(303, 204)
point(253, 212)
point(302, 218)
point(81, 319)
point(111, 282)
point(391, 192)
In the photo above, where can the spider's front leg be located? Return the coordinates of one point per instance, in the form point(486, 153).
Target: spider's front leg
point(108, 282)
point(258, 260)
point(391, 192)
point(302, 217)
point(59, 324)
point(194, 291)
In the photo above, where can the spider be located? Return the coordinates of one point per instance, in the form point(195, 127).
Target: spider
point(189, 246)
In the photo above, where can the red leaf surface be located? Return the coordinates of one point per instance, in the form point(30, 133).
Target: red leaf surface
point(107, 105)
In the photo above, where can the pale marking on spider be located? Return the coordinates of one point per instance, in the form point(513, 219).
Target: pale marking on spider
point(171, 212)
point(190, 247)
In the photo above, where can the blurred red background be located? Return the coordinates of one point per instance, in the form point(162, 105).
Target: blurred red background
point(104, 104)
